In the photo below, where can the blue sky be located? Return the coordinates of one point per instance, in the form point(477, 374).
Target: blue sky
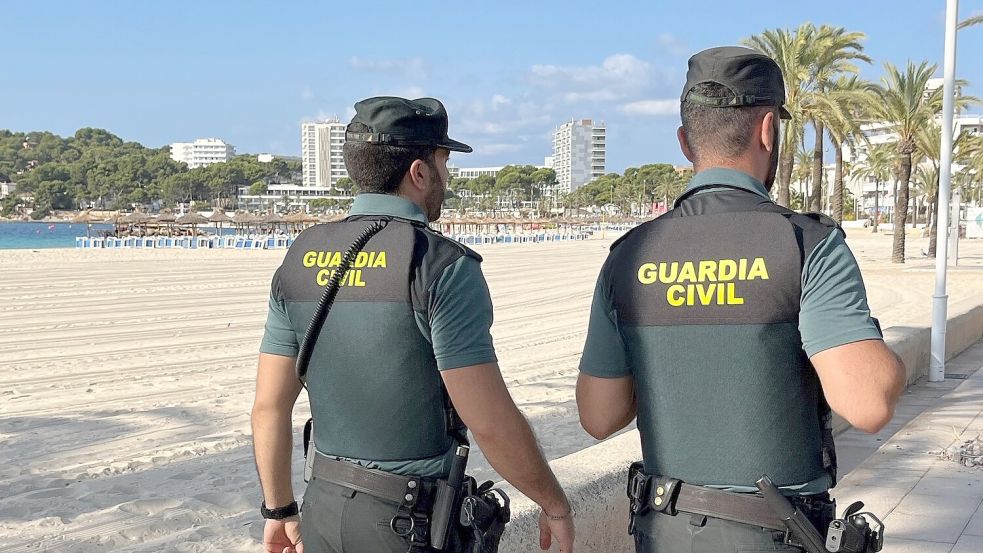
point(508, 71)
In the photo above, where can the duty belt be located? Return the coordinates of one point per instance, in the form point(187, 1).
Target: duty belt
point(671, 496)
point(391, 487)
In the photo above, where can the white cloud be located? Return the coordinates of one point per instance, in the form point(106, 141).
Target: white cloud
point(410, 92)
point(409, 66)
point(591, 96)
point(498, 101)
point(619, 68)
point(652, 107)
point(495, 149)
point(672, 44)
point(497, 116)
point(617, 77)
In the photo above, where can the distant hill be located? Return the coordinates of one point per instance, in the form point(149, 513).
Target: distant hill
point(96, 167)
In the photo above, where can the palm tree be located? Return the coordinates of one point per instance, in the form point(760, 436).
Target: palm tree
point(790, 50)
point(840, 108)
point(668, 186)
point(902, 102)
point(802, 173)
point(878, 166)
point(831, 54)
point(930, 153)
point(976, 20)
point(972, 173)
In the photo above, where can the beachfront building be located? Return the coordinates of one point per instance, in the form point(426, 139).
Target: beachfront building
point(321, 152)
point(579, 153)
point(468, 173)
point(202, 152)
point(856, 152)
point(286, 197)
point(7, 188)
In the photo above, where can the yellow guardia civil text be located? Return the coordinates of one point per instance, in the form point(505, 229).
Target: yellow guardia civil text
point(703, 282)
point(328, 262)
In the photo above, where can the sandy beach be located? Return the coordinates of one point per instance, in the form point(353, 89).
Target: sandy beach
point(126, 379)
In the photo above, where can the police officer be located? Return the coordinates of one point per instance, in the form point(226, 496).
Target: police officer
point(408, 331)
point(723, 325)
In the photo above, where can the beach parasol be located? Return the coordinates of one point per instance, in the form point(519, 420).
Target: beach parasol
point(243, 218)
point(273, 219)
point(167, 217)
point(219, 216)
point(194, 219)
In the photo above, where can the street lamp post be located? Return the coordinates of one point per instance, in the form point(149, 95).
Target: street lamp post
point(940, 299)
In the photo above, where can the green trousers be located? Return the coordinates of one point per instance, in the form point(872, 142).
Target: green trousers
point(684, 533)
point(335, 519)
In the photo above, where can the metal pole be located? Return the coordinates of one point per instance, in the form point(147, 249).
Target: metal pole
point(939, 300)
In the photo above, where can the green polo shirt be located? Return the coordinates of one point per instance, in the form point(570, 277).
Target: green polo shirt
point(833, 305)
point(457, 322)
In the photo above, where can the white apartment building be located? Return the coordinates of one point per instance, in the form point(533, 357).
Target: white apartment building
point(202, 152)
point(882, 133)
point(321, 152)
point(579, 153)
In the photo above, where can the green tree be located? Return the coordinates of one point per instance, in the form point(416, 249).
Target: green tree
point(345, 185)
point(878, 167)
point(791, 50)
point(842, 105)
point(975, 20)
point(831, 55)
point(901, 101)
point(258, 188)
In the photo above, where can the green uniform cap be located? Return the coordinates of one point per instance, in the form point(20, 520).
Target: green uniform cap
point(400, 122)
point(753, 78)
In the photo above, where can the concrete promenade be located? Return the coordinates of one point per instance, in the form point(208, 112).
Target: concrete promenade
point(928, 504)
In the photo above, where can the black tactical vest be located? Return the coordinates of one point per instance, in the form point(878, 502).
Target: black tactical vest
point(707, 299)
point(373, 383)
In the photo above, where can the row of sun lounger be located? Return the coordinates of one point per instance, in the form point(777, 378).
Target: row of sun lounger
point(187, 242)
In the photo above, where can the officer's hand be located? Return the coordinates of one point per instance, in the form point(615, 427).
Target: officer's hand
point(282, 536)
point(561, 529)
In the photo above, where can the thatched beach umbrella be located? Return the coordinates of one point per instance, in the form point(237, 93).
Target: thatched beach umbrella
point(332, 217)
point(243, 219)
point(136, 218)
point(194, 219)
point(219, 216)
point(167, 217)
point(273, 219)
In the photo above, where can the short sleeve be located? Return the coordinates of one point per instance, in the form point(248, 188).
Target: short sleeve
point(604, 351)
point(460, 316)
point(279, 337)
point(834, 308)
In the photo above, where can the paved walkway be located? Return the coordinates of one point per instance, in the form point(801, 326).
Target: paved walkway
point(928, 505)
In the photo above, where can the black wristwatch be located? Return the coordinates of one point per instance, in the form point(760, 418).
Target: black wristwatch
point(279, 513)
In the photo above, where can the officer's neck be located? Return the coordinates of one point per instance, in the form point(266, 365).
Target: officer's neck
point(746, 165)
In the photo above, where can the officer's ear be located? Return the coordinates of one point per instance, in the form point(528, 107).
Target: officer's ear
point(684, 145)
point(769, 132)
point(419, 175)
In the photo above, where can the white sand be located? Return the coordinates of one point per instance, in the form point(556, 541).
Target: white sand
point(126, 380)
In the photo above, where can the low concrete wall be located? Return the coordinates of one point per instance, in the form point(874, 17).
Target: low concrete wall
point(595, 478)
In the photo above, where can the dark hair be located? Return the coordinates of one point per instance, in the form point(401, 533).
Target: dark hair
point(718, 132)
point(377, 168)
